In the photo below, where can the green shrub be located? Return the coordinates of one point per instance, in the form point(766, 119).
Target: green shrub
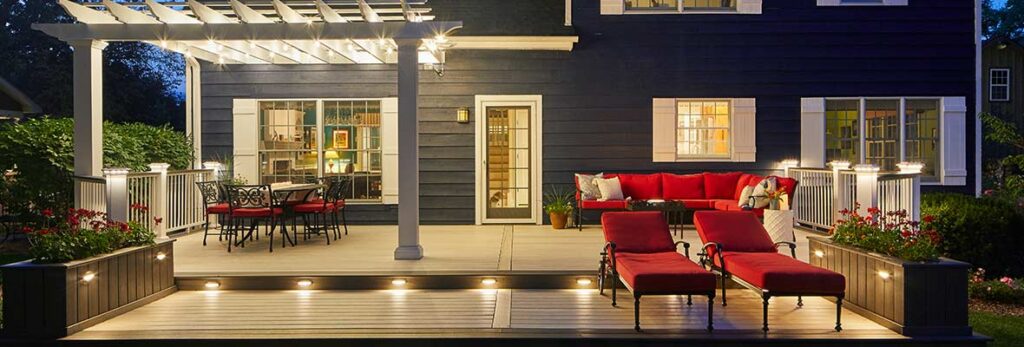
point(1004, 290)
point(42, 152)
point(982, 231)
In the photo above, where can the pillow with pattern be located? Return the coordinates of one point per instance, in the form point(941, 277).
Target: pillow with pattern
point(588, 189)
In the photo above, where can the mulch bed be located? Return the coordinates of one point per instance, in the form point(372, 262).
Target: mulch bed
point(997, 308)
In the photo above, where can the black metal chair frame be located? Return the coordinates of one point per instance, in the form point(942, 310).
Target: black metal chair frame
point(314, 223)
point(608, 269)
point(257, 197)
point(766, 295)
point(213, 194)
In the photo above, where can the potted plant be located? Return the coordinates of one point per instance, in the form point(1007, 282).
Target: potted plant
point(85, 269)
point(894, 272)
point(559, 205)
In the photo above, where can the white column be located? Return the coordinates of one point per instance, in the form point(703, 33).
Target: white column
point(88, 107)
point(117, 194)
point(914, 190)
point(867, 186)
point(217, 170)
point(408, 152)
point(839, 197)
point(159, 208)
point(193, 108)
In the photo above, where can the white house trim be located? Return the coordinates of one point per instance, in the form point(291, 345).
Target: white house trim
point(618, 7)
point(535, 102)
point(863, 3)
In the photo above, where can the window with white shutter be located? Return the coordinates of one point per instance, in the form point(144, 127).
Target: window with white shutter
point(862, 2)
point(620, 7)
point(687, 130)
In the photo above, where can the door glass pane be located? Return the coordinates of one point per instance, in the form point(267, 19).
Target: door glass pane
point(922, 136)
point(842, 130)
point(508, 162)
point(882, 121)
point(288, 141)
point(651, 4)
point(352, 146)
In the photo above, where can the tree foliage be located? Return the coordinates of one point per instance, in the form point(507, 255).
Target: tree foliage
point(139, 79)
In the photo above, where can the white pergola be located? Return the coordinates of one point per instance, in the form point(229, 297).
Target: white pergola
point(260, 32)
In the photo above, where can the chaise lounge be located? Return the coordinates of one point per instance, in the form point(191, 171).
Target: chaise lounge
point(641, 253)
point(737, 246)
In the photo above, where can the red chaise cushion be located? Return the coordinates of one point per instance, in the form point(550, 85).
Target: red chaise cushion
point(682, 187)
point(720, 185)
point(736, 231)
point(637, 232)
point(641, 187)
point(663, 273)
point(783, 274)
point(603, 205)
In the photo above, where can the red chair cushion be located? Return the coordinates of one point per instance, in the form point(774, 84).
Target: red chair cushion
point(746, 180)
point(720, 185)
point(256, 212)
point(682, 187)
point(339, 203)
point(314, 207)
point(789, 184)
point(780, 273)
point(637, 232)
point(736, 231)
point(221, 208)
point(663, 273)
point(641, 187)
point(603, 205)
point(699, 204)
point(725, 205)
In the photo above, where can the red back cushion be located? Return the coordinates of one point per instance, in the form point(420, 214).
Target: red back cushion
point(745, 181)
point(789, 184)
point(682, 187)
point(736, 231)
point(637, 232)
point(641, 187)
point(720, 185)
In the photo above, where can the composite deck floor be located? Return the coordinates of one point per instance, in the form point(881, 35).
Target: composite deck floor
point(576, 312)
point(370, 249)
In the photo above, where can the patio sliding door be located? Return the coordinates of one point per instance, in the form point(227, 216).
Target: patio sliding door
point(508, 173)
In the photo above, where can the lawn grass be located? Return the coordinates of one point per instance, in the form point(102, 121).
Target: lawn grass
point(1008, 331)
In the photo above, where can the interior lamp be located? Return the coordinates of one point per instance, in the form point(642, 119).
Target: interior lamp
point(331, 156)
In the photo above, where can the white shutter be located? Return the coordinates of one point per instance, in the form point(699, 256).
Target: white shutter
point(895, 2)
point(245, 133)
point(828, 2)
point(744, 130)
point(389, 150)
point(664, 130)
point(748, 6)
point(953, 140)
point(812, 132)
point(612, 7)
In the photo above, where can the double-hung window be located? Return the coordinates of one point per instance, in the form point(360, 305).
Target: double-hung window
point(999, 85)
point(695, 130)
point(618, 7)
point(703, 129)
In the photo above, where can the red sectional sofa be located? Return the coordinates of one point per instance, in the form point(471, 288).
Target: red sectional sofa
point(703, 191)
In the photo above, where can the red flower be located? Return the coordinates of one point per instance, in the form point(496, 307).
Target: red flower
point(26, 230)
point(873, 210)
point(44, 231)
point(47, 213)
point(928, 218)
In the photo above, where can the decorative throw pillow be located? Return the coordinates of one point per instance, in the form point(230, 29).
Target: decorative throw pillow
point(588, 189)
point(745, 196)
point(761, 192)
point(611, 188)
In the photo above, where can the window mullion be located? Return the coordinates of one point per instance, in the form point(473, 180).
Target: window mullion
point(903, 131)
point(862, 135)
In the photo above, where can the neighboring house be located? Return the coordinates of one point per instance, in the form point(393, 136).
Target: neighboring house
point(1003, 80)
point(14, 104)
point(531, 91)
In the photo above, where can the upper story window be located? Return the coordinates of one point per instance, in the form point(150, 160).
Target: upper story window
point(618, 7)
point(999, 85)
point(862, 2)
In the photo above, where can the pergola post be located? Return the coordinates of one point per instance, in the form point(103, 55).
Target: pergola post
point(88, 107)
point(408, 151)
point(194, 109)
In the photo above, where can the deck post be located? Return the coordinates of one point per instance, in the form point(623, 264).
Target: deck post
point(408, 151)
point(117, 193)
point(194, 109)
point(88, 107)
point(160, 207)
point(913, 202)
point(867, 187)
point(839, 197)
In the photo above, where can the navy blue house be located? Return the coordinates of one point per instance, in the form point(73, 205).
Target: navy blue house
point(531, 92)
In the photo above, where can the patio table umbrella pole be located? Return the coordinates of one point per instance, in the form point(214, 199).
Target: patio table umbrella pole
point(408, 151)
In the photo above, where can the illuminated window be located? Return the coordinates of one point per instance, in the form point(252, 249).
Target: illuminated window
point(651, 4)
point(703, 129)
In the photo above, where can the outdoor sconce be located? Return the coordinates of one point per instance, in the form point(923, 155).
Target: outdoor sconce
point(462, 115)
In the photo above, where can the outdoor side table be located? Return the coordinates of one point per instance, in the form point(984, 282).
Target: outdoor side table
point(779, 224)
point(673, 211)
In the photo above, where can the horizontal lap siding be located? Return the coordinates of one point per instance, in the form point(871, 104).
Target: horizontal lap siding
point(597, 98)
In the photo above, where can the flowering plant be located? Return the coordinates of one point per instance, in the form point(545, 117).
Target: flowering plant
point(80, 234)
point(1005, 290)
point(891, 233)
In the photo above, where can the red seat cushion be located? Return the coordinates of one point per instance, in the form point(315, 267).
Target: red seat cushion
point(736, 231)
point(779, 273)
point(789, 184)
point(603, 205)
point(720, 185)
point(339, 203)
point(314, 207)
point(698, 204)
point(221, 208)
point(682, 187)
point(663, 273)
point(255, 212)
point(641, 187)
point(637, 232)
point(725, 205)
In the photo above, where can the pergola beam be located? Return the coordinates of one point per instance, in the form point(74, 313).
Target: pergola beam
point(246, 31)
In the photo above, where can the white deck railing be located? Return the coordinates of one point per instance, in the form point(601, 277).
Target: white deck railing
point(822, 193)
point(171, 196)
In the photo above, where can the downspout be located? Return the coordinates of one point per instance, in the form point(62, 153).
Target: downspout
point(977, 98)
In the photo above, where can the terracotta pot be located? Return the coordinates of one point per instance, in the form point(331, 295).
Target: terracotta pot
point(558, 220)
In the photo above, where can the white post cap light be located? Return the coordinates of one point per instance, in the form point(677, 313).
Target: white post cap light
point(866, 168)
point(789, 163)
point(117, 171)
point(910, 167)
point(840, 165)
point(159, 167)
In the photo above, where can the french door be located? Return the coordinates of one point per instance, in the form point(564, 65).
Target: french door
point(508, 156)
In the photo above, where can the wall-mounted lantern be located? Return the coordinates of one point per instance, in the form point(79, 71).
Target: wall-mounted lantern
point(462, 115)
